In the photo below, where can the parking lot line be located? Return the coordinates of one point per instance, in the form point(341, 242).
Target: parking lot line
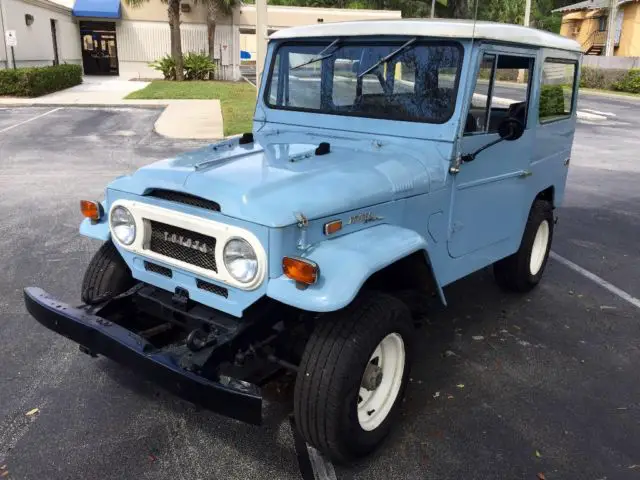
point(595, 278)
point(30, 119)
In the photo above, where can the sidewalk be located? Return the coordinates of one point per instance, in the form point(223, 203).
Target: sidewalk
point(180, 119)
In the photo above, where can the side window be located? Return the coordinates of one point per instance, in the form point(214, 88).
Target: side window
point(478, 115)
point(557, 90)
point(502, 91)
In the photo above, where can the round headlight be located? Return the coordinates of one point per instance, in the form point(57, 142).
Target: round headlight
point(122, 225)
point(240, 260)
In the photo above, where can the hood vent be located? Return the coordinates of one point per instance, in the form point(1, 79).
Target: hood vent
point(185, 198)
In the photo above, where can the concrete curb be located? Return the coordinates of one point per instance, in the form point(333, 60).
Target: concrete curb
point(613, 96)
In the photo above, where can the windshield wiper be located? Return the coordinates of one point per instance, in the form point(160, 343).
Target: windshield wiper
point(388, 57)
point(321, 55)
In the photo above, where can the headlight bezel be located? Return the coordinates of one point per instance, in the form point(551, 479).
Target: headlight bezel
point(223, 232)
point(125, 212)
point(254, 258)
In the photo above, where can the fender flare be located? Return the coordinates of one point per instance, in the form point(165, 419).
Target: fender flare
point(97, 231)
point(346, 263)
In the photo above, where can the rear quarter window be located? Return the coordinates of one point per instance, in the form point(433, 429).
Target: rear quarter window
point(557, 90)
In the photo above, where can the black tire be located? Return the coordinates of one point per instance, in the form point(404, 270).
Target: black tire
point(514, 273)
point(331, 370)
point(107, 276)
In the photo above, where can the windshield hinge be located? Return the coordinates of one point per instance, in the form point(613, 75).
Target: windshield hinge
point(454, 168)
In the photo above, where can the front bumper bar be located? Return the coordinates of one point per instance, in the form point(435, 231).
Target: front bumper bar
point(227, 396)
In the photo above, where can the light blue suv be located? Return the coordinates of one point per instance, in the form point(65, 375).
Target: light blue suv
point(386, 158)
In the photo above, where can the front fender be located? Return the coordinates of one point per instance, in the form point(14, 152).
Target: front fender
point(98, 231)
point(345, 265)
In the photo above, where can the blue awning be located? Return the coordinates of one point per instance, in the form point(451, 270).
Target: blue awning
point(97, 8)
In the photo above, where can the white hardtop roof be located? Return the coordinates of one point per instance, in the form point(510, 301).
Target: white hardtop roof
point(501, 32)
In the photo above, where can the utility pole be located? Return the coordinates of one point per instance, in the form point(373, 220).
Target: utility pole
point(611, 28)
point(261, 38)
point(433, 8)
point(527, 12)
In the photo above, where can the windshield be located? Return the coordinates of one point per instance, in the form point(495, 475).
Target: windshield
point(406, 80)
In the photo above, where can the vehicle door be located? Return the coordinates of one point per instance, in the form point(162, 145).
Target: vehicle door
point(488, 196)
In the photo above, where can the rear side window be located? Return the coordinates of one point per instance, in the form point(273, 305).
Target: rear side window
point(557, 90)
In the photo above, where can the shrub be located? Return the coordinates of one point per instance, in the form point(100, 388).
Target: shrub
point(630, 82)
point(36, 81)
point(198, 66)
point(551, 101)
point(603, 78)
point(166, 65)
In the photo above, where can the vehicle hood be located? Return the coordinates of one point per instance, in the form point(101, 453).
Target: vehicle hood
point(269, 185)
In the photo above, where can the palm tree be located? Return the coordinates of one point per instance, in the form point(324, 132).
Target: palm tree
point(216, 8)
point(173, 11)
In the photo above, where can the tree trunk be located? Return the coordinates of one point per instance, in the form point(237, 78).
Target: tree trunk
point(176, 42)
point(458, 8)
point(212, 14)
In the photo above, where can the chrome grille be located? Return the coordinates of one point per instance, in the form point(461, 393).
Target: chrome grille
point(184, 245)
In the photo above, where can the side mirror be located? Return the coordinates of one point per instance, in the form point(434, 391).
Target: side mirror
point(510, 129)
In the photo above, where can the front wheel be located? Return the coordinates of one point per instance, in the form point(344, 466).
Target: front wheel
point(106, 276)
point(352, 376)
point(523, 270)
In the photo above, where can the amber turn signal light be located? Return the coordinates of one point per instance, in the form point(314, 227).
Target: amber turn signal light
point(332, 227)
point(300, 270)
point(91, 209)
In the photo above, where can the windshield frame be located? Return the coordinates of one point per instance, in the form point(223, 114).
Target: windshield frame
point(396, 41)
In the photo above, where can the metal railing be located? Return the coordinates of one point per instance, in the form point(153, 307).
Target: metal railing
point(595, 38)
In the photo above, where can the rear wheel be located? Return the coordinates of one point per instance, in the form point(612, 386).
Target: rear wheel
point(523, 270)
point(107, 275)
point(352, 376)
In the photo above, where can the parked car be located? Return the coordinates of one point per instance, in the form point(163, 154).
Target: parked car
point(386, 157)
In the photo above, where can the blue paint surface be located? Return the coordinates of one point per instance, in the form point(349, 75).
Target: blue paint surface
point(395, 174)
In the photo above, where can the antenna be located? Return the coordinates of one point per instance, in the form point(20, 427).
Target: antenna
point(455, 163)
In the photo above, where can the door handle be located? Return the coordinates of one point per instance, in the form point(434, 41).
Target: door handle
point(525, 174)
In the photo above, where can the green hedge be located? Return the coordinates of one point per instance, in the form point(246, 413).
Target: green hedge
point(36, 81)
point(602, 78)
point(551, 101)
point(630, 82)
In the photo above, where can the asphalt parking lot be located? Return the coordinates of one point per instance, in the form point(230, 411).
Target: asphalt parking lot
point(505, 387)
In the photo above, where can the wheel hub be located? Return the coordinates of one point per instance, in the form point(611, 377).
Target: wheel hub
point(372, 377)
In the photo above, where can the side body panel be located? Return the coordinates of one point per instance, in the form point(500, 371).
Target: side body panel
point(346, 263)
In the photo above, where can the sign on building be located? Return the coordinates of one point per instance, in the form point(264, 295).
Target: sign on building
point(12, 40)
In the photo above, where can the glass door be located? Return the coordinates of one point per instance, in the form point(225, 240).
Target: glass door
point(99, 49)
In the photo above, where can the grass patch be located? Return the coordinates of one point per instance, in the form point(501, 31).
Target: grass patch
point(238, 99)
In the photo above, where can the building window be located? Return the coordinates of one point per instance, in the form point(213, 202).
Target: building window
point(557, 90)
point(602, 24)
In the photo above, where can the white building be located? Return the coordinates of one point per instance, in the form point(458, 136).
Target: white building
point(109, 37)
point(46, 33)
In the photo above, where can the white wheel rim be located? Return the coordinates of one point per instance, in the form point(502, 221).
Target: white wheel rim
point(539, 249)
point(374, 405)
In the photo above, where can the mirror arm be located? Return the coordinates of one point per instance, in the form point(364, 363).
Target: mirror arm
point(470, 157)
